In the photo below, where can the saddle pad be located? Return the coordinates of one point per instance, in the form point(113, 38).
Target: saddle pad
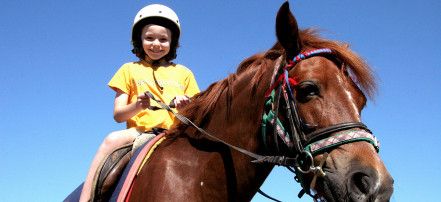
point(135, 164)
point(139, 154)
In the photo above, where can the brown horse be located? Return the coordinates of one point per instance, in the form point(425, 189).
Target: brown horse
point(191, 166)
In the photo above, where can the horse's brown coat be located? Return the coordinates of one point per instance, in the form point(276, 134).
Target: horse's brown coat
point(190, 166)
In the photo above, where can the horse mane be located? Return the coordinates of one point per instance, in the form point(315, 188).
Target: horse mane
point(201, 108)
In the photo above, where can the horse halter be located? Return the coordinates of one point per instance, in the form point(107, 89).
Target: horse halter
point(300, 142)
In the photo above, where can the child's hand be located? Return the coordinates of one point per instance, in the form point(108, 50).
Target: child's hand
point(143, 101)
point(181, 101)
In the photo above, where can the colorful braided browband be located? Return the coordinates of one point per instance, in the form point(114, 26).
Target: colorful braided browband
point(350, 136)
point(308, 54)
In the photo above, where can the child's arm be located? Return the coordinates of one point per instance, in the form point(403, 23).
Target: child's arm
point(123, 111)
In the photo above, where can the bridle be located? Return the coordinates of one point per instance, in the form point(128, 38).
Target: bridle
point(303, 145)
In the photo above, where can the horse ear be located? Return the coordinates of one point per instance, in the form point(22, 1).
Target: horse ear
point(287, 31)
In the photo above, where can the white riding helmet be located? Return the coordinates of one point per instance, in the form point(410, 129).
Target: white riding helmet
point(159, 14)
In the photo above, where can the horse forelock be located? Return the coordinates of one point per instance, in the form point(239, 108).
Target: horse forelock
point(311, 39)
point(357, 66)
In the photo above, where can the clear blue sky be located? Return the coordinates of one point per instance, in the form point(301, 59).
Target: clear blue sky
point(57, 57)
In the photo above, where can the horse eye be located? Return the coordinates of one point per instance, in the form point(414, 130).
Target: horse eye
point(306, 91)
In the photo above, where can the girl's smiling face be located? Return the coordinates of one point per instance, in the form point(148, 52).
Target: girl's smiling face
point(156, 41)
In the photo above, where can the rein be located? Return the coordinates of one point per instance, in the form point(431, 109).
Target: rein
point(303, 145)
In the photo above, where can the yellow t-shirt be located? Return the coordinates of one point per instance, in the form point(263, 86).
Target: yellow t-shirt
point(137, 77)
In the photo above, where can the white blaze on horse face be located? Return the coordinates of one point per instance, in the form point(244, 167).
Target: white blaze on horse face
point(349, 97)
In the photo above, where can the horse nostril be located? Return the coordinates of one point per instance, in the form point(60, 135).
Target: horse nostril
point(361, 183)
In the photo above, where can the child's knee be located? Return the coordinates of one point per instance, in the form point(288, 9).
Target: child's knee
point(112, 140)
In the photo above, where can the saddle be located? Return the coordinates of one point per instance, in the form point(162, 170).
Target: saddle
point(111, 169)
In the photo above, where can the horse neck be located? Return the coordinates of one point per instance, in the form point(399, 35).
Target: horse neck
point(240, 126)
point(240, 122)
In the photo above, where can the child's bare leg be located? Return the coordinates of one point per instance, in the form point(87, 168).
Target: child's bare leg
point(112, 141)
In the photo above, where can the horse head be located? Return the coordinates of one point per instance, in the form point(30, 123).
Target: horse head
point(329, 104)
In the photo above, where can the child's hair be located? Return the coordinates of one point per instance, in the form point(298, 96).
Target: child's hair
point(138, 50)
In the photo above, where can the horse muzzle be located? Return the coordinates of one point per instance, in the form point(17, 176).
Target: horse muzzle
point(360, 184)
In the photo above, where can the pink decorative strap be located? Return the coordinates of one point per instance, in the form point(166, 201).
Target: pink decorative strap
point(134, 169)
point(343, 138)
